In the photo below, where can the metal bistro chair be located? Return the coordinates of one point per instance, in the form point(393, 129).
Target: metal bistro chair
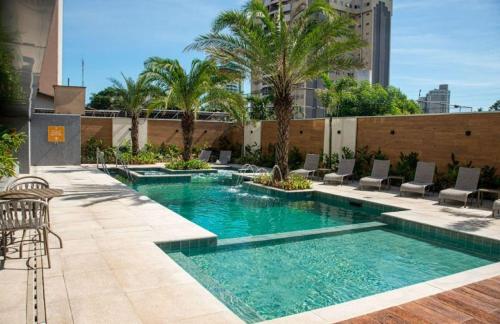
point(33, 182)
point(11, 195)
point(23, 215)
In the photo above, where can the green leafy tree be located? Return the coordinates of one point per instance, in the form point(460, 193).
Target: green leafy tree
point(204, 85)
point(284, 54)
point(495, 106)
point(10, 142)
point(104, 99)
point(133, 96)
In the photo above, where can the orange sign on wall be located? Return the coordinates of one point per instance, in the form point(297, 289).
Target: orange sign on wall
point(55, 134)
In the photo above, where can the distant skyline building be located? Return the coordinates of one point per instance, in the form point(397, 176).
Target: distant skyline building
point(437, 101)
point(373, 23)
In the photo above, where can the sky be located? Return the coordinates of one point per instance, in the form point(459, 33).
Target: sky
point(433, 42)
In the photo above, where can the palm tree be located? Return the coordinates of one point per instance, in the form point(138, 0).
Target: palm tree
point(204, 85)
point(133, 97)
point(331, 98)
point(284, 54)
point(260, 107)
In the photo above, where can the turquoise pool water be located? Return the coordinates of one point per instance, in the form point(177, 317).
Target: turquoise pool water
point(213, 202)
point(270, 280)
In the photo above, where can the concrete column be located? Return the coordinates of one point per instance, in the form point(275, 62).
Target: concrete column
point(252, 134)
point(121, 131)
point(343, 134)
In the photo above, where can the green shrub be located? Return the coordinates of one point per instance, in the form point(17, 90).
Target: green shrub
point(407, 165)
point(252, 155)
point(194, 164)
point(10, 142)
point(489, 178)
point(89, 150)
point(295, 159)
point(294, 182)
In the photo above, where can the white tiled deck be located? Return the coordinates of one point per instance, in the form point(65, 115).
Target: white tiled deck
point(110, 270)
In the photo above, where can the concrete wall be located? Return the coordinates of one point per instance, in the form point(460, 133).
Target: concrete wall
point(69, 100)
point(45, 153)
point(307, 135)
point(343, 134)
point(253, 134)
point(121, 131)
point(435, 137)
point(98, 127)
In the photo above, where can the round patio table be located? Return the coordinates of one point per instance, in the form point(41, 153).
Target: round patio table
point(44, 193)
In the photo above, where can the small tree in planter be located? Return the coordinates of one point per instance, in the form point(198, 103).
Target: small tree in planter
point(10, 142)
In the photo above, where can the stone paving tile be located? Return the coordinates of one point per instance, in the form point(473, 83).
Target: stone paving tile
point(88, 284)
point(104, 308)
point(174, 303)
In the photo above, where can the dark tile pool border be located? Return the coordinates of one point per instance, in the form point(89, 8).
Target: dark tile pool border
point(187, 245)
point(465, 241)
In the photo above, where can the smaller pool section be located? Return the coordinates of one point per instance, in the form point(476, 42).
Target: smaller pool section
point(273, 278)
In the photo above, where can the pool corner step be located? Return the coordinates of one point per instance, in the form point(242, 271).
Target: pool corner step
point(299, 235)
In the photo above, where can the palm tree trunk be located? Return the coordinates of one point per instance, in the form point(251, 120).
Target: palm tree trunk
point(284, 110)
point(134, 134)
point(187, 124)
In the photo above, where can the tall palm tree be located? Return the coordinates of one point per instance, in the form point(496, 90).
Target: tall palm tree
point(133, 97)
point(204, 85)
point(284, 54)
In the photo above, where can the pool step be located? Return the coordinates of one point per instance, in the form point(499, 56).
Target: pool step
point(300, 235)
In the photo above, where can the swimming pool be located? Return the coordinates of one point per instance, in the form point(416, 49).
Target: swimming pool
point(272, 279)
point(215, 203)
point(278, 256)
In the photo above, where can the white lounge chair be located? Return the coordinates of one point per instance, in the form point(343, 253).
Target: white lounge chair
point(424, 179)
point(205, 155)
point(380, 174)
point(344, 171)
point(466, 185)
point(496, 209)
point(224, 157)
point(310, 166)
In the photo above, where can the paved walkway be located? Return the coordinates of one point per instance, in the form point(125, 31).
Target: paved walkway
point(475, 303)
point(110, 270)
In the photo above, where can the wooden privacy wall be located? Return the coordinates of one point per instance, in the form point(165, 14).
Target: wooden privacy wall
point(98, 127)
point(435, 137)
point(206, 133)
point(307, 135)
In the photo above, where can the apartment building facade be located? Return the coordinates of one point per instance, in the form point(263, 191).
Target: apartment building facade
point(373, 23)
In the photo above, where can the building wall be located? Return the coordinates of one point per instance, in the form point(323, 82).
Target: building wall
point(50, 73)
point(69, 100)
point(307, 135)
point(98, 127)
point(435, 137)
point(206, 133)
point(44, 152)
